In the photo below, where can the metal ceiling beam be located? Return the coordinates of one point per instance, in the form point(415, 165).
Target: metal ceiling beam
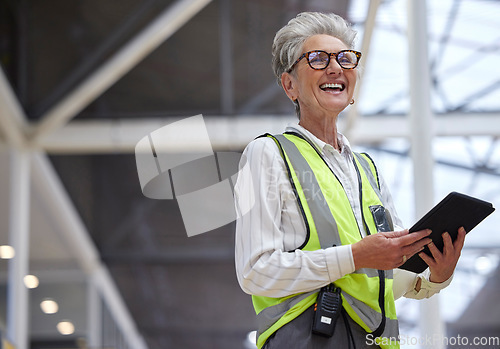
point(63, 214)
point(12, 124)
point(12, 121)
point(52, 274)
point(371, 16)
point(167, 23)
point(19, 235)
point(44, 179)
point(230, 133)
point(422, 122)
point(60, 209)
point(93, 59)
point(94, 316)
point(171, 255)
point(440, 52)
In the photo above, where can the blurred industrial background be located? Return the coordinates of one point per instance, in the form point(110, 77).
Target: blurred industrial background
point(82, 81)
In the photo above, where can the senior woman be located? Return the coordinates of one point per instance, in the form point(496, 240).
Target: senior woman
point(320, 244)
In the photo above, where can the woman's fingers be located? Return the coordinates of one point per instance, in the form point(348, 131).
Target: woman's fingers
point(408, 239)
point(442, 264)
point(417, 244)
point(459, 242)
point(397, 247)
point(429, 260)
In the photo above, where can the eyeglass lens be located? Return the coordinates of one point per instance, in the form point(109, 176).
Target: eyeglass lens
point(320, 59)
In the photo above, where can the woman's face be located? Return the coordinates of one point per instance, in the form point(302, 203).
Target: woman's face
point(311, 87)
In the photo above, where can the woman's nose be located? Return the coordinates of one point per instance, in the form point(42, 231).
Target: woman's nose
point(333, 66)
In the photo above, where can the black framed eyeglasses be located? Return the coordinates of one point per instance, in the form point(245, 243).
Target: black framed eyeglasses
point(318, 60)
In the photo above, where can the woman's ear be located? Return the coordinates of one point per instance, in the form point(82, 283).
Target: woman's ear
point(288, 82)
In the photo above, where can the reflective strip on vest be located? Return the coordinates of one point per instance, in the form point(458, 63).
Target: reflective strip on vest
point(270, 315)
point(321, 214)
point(367, 167)
point(366, 314)
point(276, 312)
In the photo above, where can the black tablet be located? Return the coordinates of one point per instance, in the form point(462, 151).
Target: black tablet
point(454, 211)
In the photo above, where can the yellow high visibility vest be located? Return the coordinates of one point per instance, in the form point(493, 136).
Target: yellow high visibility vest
point(367, 294)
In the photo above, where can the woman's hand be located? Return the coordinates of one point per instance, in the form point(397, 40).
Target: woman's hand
point(442, 264)
point(388, 250)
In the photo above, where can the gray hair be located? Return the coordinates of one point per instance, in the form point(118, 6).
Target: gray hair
point(287, 44)
point(288, 41)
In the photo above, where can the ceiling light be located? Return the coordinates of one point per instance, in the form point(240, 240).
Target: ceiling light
point(49, 306)
point(7, 252)
point(66, 327)
point(485, 264)
point(31, 281)
point(251, 340)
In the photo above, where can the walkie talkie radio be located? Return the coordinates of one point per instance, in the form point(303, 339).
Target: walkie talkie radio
point(327, 310)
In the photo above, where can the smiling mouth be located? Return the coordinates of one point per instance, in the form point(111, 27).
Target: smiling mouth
point(332, 87)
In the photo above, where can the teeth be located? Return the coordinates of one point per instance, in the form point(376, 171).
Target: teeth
point(339, 86)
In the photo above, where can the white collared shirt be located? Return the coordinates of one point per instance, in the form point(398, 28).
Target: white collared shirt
point(268, 262)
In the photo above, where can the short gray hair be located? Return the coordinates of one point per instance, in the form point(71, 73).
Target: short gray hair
point(288, 42)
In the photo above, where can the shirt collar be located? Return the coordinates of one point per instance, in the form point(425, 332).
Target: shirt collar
point(345, 146)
